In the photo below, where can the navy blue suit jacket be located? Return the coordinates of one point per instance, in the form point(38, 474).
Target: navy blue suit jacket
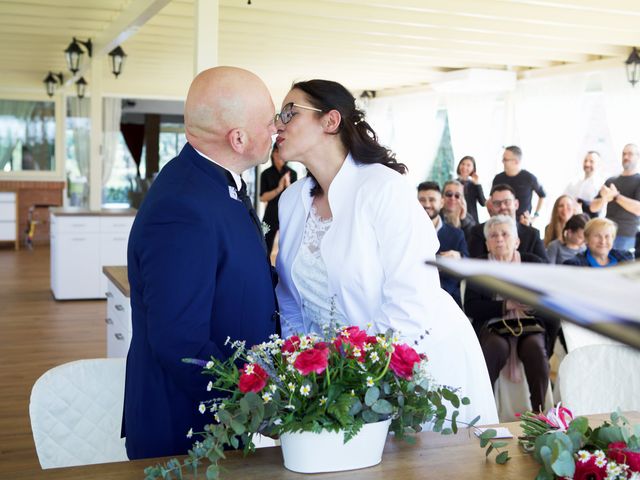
point(198, 273)
point(451, 238)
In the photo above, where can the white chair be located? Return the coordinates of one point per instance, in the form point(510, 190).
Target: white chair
point(512, 398)
point(76, 413)
point(600, 379)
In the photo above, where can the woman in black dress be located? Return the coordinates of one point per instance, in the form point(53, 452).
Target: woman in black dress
point(473, 192)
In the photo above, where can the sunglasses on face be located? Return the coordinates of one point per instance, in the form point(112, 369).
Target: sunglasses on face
point(452, 194)
point(287, 113)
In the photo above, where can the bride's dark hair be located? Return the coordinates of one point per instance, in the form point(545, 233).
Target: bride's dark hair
point(355, 133)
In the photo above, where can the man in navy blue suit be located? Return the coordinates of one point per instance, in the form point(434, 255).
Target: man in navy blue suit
point(198, 269)
point(452, 242)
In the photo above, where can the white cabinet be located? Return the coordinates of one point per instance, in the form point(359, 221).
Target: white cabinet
point(80, 246)
point(8, 218)
point(118, 322)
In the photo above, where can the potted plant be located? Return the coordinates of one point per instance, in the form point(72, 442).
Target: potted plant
point(336, 391)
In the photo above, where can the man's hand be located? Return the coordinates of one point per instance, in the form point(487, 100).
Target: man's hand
point(608, 193)
point(451, 254)
point(526, 219)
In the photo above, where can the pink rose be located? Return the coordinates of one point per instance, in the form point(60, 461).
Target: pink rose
point(291, 344)
point(403, 359)
point(314, 359)
point(253, 378)
point(350, 338)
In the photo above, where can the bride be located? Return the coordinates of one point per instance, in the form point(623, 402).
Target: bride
point(353, 241)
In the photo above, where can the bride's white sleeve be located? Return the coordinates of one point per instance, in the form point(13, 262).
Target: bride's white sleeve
point(289, 308)
point(406, 239)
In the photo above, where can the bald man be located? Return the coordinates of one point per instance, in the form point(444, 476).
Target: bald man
point(198, 269)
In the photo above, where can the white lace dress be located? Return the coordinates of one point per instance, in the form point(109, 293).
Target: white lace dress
point(309, 273)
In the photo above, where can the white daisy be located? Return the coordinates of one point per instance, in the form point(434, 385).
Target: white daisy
point(209, 365)
point(266, 397)
point(273, 388)
point(583, 456)
point(209, 386)
point(190, 433)
point(374, 357)
point(291, 386)
point(370, 382)
point(305, 390)
point(249, 369)
point(323, 400)
point(202, 408)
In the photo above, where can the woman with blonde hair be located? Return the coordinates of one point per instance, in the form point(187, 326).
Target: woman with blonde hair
point(563, 209)
point(599, 234)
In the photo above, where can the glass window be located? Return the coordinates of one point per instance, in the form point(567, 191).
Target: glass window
point(27, 135)
point(78, 150)
point(172, 139)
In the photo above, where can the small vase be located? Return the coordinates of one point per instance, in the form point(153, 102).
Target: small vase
point(308, 452)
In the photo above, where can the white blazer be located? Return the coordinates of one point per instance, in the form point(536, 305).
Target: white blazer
point(374, 253)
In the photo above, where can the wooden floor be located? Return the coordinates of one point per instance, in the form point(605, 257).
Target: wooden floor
point(36, 333)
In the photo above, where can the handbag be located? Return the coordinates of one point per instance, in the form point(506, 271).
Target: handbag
point(515, 326)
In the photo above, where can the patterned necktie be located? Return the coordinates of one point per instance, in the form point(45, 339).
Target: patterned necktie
point(246, 201)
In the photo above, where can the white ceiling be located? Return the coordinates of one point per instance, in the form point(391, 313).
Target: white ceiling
point(366, 44)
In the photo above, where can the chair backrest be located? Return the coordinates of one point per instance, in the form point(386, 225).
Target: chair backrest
point(600, 379)
point(76, 413)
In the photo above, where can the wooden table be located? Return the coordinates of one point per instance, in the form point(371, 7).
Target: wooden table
point(433, 456)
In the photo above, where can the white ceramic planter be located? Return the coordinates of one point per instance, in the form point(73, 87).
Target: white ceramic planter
point(308, 452)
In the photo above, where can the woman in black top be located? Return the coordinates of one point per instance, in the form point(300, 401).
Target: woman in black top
point(473, 192)
point(273, 181)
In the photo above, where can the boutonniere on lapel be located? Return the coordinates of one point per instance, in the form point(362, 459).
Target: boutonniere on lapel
point(266, 228)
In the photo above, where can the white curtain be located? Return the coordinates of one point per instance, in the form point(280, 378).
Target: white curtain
point(111, 113)
point(80, 111)
point(551, 124)
point(16, 113)
point(476, 123)
point(407, 125)
point(622, 105)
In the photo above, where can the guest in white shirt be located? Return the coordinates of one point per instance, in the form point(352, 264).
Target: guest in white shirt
point(585, 188)
point(353, 241)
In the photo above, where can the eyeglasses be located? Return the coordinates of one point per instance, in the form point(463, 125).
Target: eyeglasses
point(507, 202)
point(452, 194)
point(287, 113)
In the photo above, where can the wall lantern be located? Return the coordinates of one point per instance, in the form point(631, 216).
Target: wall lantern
point(73, 54)
point(81, 85)
point(117, 60)
point(51, 81)
point(633, 67)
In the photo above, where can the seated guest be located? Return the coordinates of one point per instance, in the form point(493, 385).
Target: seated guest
point(502, 201)
point(563, 209)
point(572, 241)
point(452, 242)
point(454, 208)
point(507, 329)
point(599, 235)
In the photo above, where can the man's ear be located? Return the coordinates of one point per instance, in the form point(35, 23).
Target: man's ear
point(331, 121)
point(516, 202)
point(237, 139)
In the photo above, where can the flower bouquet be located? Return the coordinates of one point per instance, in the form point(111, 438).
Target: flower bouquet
point(338, 382)
point(568, 448)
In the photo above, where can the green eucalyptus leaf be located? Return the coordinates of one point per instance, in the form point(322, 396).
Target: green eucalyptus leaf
point(372, 395)
point(356, 408)
point(370, 417)
point(474, 421)
point(579, 424)
point(213, 472)
point(386, 388)
point(502, 458)
point(489, 433)
point(238, 427)
point(447, 431)
point(451, 397)
point(545, 455)
point(488, 451)
point(564, 465)
point(465, 401)
point(454, 424)
point(382, 407)
point(500, 444)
